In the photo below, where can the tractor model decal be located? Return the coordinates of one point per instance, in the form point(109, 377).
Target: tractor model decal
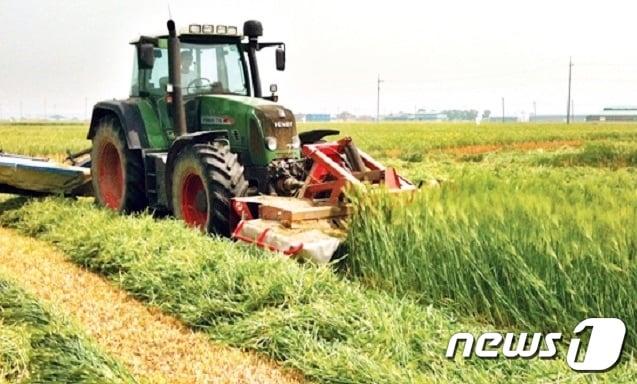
point(217, 120)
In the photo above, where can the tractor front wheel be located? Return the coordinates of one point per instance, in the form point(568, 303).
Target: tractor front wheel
point(205, 178)
point(116, 170)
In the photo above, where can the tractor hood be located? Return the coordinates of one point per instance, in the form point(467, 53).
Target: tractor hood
point(252, 123)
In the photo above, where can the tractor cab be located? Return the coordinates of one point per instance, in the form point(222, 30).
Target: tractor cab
point(216, 79)
point(210, 64)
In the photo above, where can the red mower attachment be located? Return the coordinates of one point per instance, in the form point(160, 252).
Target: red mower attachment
point(313, 225)
point(336, 164)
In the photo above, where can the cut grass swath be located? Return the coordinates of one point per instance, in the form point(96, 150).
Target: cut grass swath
point(155, 348)
point(38, 347)
point(332, 330)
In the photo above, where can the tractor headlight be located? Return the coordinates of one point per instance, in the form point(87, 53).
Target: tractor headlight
point(207, 28)
point(194, 28)
point(296, 142)
point(271, 143)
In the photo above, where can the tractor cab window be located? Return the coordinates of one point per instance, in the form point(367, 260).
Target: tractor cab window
point(212, 68)
point(151, 81)
point(205, 69)
point(134, 90)
point(159, 75)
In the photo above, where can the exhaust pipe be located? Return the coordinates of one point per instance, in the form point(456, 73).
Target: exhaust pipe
point(174, 76)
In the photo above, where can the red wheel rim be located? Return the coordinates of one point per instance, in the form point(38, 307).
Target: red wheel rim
point(194, 204)
point(110, 177)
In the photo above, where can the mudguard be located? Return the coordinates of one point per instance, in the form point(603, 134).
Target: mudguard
point(129, 117)
point(185, 141)
point(314, 136)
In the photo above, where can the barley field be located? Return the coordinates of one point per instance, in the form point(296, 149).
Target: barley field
point(517, 227)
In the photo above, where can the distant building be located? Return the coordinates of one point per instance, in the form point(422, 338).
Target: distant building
point(555, 118)
point(400, 116)
point(506, 119)
point(615, 114)
point(318, 117)
point(430, 116)
point(420, 115)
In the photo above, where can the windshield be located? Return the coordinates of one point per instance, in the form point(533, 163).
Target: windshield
point(212, 68)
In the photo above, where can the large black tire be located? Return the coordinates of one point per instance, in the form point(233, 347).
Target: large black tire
point(204, 179)
point(116, 170)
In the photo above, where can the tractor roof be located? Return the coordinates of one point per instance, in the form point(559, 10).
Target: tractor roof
point(193, 39)
point(201, 33)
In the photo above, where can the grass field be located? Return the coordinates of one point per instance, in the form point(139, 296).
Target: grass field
point(40, 140)
point(533, 249)
point(414, 142)
point(331, 329)
point(533, 228)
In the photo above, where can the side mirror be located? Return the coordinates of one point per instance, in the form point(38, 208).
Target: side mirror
point(280, 59)
point(146, 56)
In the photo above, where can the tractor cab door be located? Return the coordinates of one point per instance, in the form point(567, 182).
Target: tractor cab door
point(149, 84)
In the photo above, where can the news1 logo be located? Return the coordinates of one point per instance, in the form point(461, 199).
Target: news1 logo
point(601, 353)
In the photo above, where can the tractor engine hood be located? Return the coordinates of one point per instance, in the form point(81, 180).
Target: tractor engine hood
point(279, 123)
point(261, 127)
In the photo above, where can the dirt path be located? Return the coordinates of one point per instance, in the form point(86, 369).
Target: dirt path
point(155, 347)
point(517, 146)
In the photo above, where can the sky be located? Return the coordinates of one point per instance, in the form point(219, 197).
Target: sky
point(60, 57)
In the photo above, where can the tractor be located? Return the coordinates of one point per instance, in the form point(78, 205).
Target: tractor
point(198, 139)
point(195, 131)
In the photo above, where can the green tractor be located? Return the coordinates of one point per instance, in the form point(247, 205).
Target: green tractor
point(197, 138)
point(196, 130)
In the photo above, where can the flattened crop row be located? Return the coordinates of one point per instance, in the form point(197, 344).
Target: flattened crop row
point(38, 347)
point(332, 330)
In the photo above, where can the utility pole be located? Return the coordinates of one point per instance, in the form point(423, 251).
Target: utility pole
point(534, 108)
point(503, 109)
point(378, 99)
point(568, 103)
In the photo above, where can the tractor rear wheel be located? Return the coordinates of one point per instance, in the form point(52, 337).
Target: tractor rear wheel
point(205, 178)
point(117, 171)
